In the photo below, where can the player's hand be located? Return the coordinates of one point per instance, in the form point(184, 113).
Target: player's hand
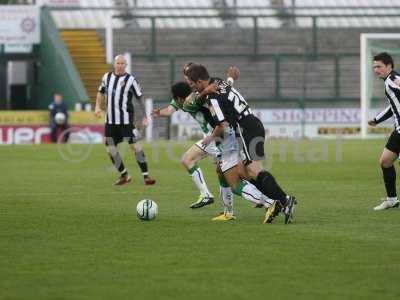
point(233, 72)
point(372, 123)
point(397, 81)
point(145, 122)
point(211, 89)
point(97, 112)
point(207, 140)
point(156, 112)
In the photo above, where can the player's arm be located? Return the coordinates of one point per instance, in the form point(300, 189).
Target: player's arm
point(210, 89)
point(382, 116)
point(140, 100)
point(163, 112)
point(52, 113)
point(216, 133)
point(168, 110)
point(137, 90)
point(99, 101)
point(397, 81)
point(220, 120)
point(100, 96)
point(66, 111)
point(232, 74)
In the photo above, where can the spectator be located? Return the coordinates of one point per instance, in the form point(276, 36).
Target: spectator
point(58, 119)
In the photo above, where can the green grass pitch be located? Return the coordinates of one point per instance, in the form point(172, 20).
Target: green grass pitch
point(66, 233)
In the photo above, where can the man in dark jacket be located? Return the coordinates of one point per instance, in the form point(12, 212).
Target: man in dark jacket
point(58, 119)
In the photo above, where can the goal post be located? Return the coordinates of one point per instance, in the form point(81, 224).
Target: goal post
point(370, 89)
point(109, 37)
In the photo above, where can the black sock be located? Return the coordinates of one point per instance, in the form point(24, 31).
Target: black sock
point(141, 161)
point(118, 164)
point(267, 184)
point(389, 177)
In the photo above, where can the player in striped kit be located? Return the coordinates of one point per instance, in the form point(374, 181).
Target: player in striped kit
point(230, 106)
point(226, 152)
point(119, 87)
point(197, 151)
point(383, 67)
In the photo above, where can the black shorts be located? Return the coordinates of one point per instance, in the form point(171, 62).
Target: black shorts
point(251, 134)
point(393, 143)
point(116, 134)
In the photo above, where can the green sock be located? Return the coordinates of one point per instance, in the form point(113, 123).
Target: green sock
point(222, 181)
point(238, 189)
point(193, 169)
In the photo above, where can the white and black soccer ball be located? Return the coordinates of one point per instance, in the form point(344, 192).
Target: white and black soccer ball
point(147, 209)
point(60, 118)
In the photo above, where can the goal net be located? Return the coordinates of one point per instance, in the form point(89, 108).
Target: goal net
point(372, 89)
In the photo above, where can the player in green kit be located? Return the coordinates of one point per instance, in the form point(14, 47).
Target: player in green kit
point(198, 151)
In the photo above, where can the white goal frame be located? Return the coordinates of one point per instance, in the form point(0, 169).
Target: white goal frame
point(364, 39)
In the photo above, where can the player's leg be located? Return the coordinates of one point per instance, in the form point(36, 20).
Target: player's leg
point(66, 133)
point(265, 181)
point(226, 195)
point(53, 134)
point(267, 184)
point(243, 188)
point(229, 164)
point(252, 139)
point(133, 141)
point(389, 155)
point(112, 139)
point(189, 161)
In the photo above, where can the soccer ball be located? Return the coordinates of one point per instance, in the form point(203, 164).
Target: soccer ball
point(59, 118)
point(147, 209)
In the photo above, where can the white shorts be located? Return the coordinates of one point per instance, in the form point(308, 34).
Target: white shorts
point(224, 151)
point(229, 150)
point(228, 160)
point(211, 150)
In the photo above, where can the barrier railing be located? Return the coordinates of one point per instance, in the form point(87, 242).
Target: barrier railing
point(277, 59)
point(232, 13)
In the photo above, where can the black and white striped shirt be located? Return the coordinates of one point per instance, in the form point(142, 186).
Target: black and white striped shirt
point(119, 90)
point(228, 104)
point(392, 91)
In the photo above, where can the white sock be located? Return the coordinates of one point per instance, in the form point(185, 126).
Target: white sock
point(267, 201)
point(252, 194)
point(391, 198)
point(227, 198)
point(199, 181)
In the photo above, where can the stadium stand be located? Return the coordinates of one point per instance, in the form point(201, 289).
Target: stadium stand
point(89, 60)
point(98, 18)
point(321, 7)
point(87, 18)
point(239, 41)
point(296, 75)
point(258, 77)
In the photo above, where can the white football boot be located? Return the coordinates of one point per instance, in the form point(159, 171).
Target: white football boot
point(387, 203)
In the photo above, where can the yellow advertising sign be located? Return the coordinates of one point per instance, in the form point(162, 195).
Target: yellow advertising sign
point(41, 117)
point(84, 117)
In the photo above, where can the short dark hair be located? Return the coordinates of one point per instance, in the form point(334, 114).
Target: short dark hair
point(180, 89)
point(197, 72)
point(385, 58)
